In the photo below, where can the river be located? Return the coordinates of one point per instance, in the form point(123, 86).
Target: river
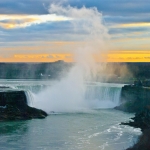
point(94, 126)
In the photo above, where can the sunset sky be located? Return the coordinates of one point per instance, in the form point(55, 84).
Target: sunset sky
point(51, 30)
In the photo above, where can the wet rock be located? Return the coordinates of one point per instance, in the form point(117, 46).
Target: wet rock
point(143, 142)
point(136, 99)
point(13, 106)
point(142, 121)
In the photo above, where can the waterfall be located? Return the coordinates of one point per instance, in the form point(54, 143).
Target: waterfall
point(103, 95)
point(29, 97)
point(33, 88)
point(96, 95)
point(55, 98)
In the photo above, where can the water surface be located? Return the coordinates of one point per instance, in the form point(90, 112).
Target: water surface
point(80, 128)
point(90, 130)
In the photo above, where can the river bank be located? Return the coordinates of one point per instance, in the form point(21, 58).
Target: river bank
point(97, 125)
point(136, 99)
point(142, 121)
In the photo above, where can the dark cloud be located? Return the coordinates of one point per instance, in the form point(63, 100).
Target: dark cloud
point(125, 19)
point(128, 30)
point(111, 7)
point(114, 7)
point(119, 11)
point(22, 7)
point(44, 31)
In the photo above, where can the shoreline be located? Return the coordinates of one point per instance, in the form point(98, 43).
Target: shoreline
point(142, 121)
point(136, 99)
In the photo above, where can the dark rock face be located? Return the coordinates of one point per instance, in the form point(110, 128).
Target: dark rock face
point(142, 121)
point(134, 98)
point(13, 106)
point(143, 143)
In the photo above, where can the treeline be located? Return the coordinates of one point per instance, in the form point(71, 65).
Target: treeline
point(33, 70)
point(56, 70)
point(136, 70)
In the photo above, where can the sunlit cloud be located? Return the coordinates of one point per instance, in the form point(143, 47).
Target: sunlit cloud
point(22, 21)
point(128, 56)
point(132, 25)
point(111, 56)
point(66, 29)
point(51, 57)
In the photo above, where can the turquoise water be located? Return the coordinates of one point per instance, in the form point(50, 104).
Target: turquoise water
point(79, 126)
point(91, 130)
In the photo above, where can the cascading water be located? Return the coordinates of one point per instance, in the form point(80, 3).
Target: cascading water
point(63, 98)
point(103, 96)
point(29, 97)
point(97, 96)
point(70, 94)
point(91, 129)
point(98, 129)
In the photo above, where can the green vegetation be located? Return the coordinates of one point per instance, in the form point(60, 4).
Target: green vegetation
point(33, 70)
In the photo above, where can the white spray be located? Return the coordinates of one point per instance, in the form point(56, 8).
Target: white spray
point(69, 93)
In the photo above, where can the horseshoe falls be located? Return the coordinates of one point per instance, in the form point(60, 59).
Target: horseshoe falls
point(90, 123)
point(103, 95)
point(92, 95)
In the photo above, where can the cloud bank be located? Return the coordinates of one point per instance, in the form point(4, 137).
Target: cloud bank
point(22, 21)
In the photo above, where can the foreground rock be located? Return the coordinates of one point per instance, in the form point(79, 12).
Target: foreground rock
point(136, 99)
point(142, 121)
point(13, 106)
point(143, 142)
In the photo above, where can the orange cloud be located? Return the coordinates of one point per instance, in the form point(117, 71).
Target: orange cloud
point(41, 57)
point(128, 56)
point(111, 56)
point(131, 25)
point(21, 21)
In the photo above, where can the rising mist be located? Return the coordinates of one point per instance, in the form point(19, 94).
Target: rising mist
point(68, 94)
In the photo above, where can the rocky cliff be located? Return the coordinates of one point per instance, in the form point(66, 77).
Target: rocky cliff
point(134, 98)
point(13, 106)
point(142, 121)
